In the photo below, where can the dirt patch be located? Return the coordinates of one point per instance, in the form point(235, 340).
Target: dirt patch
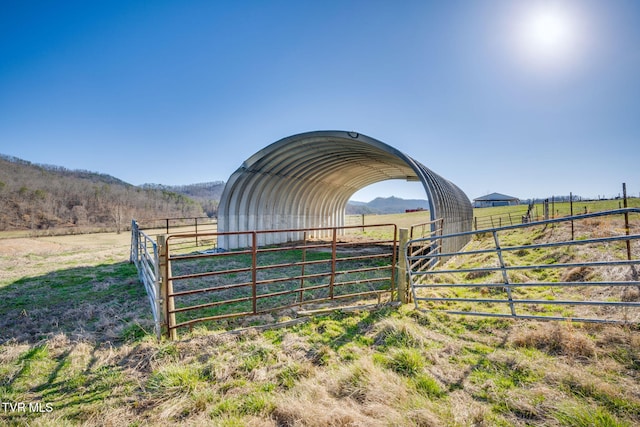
point(578, 274)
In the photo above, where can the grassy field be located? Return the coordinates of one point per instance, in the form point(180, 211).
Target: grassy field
point(542, 278)
point(77, 348)
point(500, 214)
point(508, 215)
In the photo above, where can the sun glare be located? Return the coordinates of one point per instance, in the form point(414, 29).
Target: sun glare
point(548, 35)
point(548, 31)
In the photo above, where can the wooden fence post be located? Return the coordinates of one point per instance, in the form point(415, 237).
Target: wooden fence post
point(135, 245)
point(166, 288)
point(403, 292)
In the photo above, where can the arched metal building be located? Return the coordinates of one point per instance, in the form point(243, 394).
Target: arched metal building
point(306, 180)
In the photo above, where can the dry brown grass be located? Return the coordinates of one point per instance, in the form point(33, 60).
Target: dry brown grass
point(38, 256)
point(358, 394)
point(556, 339)
point(332, 372)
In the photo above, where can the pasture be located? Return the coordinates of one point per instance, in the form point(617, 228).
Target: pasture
point(77, 348)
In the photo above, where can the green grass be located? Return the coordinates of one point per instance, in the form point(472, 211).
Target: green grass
point(423, 356)
point(427, 386)
point(586, 416)
point(404, 361)
point(289, 292)
point(85, 346)
point(501, 216)
point(544, 266)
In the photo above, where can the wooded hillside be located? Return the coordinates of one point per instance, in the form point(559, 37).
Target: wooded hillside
point(207, 194)
point(41, 197)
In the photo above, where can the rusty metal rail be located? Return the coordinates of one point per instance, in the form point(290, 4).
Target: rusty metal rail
point(486, 277)
point(212, 284)
point(156, 226)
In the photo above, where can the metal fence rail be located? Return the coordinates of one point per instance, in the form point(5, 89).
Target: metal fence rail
point(505, 219)
point(425, 240)
point(486, 278)
point(213, 284)
point(144, 254)
point(156, 226)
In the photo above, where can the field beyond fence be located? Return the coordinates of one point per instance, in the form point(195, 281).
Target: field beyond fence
point(579, 268)
point(201, 282)
point(502, 216)
point(77, 347)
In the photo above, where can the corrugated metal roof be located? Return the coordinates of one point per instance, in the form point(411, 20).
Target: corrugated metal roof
point(495, 197)
point(306, 180)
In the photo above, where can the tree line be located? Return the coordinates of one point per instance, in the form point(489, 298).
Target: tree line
point(41, 197)
point(207, 194)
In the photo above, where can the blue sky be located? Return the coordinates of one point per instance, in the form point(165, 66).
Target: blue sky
point(179, 92)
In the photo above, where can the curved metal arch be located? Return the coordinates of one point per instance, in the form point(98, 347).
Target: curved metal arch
point(306, 180)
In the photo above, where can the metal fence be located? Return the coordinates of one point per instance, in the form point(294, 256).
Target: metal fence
point(502, 220)
point(582, 268)
point(144, 254)
point(156, 226)
point(206, 284)
point(425, 238)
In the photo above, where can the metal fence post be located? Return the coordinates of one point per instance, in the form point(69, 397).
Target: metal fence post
point(403, 239)
point(626, 219)
point(158, 287)
point(571, 211)
point(162, 273)
point(334, 254)
point(505, 275)
point(254, 272)
point(304, 260)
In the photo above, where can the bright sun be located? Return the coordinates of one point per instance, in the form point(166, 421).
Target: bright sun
point(548, 35)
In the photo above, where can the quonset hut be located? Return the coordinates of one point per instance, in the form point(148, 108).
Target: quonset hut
point(306, 180)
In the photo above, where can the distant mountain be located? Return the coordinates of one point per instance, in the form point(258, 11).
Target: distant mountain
point(385, 205)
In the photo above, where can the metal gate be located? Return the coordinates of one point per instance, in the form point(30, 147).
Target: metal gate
point(144, 254)
point(201, 283)
point(581, 268)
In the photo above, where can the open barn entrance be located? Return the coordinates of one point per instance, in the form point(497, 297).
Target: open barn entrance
point(392, 188)
point(392, 196)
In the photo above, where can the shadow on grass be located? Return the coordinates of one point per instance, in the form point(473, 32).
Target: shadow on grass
point(103, 303)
